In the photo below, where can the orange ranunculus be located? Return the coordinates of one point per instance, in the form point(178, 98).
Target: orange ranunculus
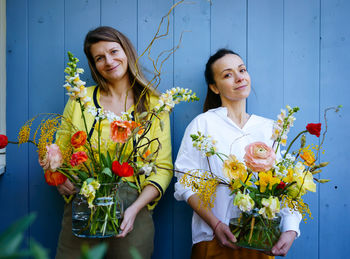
point(120, 131)
point(54, 178)
point(122, 170)
point(78, 158)
point(78, 139)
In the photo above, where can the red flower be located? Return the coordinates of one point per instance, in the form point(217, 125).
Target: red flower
point(122, 170)
point(78, 139)
point(78, 158)
point(3, 141)
point(54, 178)
point(281, 185)
point(314, 129)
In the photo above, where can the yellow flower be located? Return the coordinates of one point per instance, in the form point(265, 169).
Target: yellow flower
point(244, 202)
point(266, 178)
point(304, 181)
point(271, 207)
point(236, 172)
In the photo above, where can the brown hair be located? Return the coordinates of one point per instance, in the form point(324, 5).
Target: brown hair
point(141, 85)
point(212, 99)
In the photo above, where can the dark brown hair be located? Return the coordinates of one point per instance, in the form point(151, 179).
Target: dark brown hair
point(105, 33)
point(212, 99)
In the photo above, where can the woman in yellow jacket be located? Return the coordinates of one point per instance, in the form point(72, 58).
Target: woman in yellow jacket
point(112, 61)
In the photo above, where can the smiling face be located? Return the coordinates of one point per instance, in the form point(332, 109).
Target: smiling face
point(110, 60)
point(232, 81)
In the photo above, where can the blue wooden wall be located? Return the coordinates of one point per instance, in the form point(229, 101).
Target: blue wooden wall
point(297, 52)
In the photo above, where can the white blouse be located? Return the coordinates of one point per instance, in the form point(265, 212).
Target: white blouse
point(231, 139)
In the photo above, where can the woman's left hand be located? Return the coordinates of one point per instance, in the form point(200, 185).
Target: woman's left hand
point(284, 243)
point(128, 221)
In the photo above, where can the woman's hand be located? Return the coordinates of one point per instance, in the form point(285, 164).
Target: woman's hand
point(284, 243)
point(224, 235)
point(66, 188)
point(128, 221)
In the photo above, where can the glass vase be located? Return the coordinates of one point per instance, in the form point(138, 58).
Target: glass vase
point(253, 231)
point(103, 219)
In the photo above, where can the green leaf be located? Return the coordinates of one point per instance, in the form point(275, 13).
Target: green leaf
point(82, 175)
point(89, 180)
point(107, 171)
point(11, 238)
point(132, 185)
point(104, 161)
point(109, 160)
point(97, 252)
point(38, 251)
point(135, 253)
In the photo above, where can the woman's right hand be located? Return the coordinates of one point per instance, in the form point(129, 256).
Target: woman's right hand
point(66, 188)
point(224, 235)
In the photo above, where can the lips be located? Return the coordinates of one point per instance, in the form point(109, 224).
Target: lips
point(113, 68)
point(240, 87)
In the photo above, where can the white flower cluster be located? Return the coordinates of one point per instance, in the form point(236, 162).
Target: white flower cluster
point(101, 114)
point(283, 124)
point(204, 144)
point(75, 87)
point(282, 166)
point(174, 96)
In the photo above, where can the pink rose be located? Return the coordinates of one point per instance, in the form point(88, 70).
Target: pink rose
point(53, 158)
point(259, 157)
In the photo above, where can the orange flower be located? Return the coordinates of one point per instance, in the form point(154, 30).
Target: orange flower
point(122, 170)
point(54, 178)
point(134, 125)
point(146, 154)
point(78, 139)
point(78, 158)
point(120, 131)
point(308, 156)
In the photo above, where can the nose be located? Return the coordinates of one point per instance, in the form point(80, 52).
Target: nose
point(108, 59)
point(239, 77)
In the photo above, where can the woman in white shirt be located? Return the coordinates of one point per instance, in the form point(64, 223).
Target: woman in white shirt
point(226, 120)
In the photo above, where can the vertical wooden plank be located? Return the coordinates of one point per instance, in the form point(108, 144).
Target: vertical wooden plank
point(122, 15)
point(301, 88)
point(229, 26)
point(46, 45)
point(80, 17)
point(335, 59)
point(14, 183)
point(150, 13)
point(265, 56)
point(189, 64)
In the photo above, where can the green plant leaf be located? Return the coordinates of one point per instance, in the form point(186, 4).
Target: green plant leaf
point(82, 175)
point(11, 238)
point(109, 159)
point(104, 160)
point(107, 171)
point(132, 185)
point(38, 251)
point(97, 252)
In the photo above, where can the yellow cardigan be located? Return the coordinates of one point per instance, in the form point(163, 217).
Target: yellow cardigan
point(159, 180)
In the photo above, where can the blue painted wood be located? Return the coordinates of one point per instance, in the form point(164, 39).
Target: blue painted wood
point(229, 26)
point(14, 183)
point(334, 90)
point(46, 46)
point(265, 56)
point(189, 63)
point(301, 88)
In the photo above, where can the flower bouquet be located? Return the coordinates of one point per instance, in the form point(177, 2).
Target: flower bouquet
point(265, 182)
point(98, 166)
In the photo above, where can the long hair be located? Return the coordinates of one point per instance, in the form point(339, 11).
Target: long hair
point(105, 33)
point(212, 99)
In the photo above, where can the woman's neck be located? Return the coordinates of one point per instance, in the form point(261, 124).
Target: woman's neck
point(236, 111)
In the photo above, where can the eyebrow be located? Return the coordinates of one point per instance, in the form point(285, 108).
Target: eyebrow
point(229, 69)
